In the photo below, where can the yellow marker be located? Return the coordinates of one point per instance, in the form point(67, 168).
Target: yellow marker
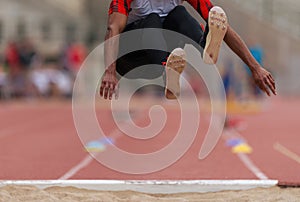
point(242, 149)
point(95, 149)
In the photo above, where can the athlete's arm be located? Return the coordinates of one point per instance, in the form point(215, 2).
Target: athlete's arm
point(262, 77)
point(116, 24)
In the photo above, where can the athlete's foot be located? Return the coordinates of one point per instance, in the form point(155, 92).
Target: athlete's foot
point(175, 65)
point(218, 24)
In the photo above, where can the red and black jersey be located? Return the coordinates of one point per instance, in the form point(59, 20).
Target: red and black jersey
point(124, 6)
point(120, 6)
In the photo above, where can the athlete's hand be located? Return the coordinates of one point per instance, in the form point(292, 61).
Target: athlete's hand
point(109, 85)
point(264, 81)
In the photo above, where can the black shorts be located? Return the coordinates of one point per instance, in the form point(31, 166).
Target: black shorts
point(178, 20)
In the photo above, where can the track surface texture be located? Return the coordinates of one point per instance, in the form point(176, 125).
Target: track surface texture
point(38, 141)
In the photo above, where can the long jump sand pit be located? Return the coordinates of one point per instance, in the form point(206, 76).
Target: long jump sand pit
point(15, 193)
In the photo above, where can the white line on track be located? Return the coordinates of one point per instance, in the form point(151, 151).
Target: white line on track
point(252, 167)
point(285, 151)
point(84, 163)
point(88, 159)
point(245, 159)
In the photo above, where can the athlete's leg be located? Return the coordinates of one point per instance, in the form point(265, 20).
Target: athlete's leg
point(179, 20)
point(144, 57)
point(154, 38)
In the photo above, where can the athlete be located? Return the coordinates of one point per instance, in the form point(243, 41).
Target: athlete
point(128, 15)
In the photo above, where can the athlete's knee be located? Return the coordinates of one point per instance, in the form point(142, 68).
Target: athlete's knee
point(179, 10)
point(178, 14)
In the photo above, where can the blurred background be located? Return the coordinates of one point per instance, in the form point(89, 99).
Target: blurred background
point(43, 44)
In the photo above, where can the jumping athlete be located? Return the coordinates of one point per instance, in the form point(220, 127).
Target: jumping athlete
point(128, 15)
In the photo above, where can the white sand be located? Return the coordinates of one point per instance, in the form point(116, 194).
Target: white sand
point(68, 194)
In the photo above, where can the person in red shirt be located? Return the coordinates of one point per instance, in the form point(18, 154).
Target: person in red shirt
point(12, 58)
point(128, 15)
point(76, 55)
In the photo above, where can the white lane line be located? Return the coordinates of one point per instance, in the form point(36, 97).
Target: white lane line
point(285, 151)
point(84, 163)
point(246, 159)
point(252, 167)
point(151, 186)
point(87, 160)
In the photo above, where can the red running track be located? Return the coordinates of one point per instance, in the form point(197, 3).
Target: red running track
point(39, 141)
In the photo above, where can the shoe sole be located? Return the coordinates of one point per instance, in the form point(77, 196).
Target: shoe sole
point(218, 25)
point(176, 63)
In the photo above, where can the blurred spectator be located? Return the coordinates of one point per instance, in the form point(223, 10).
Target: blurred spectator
point(50, 81)
point(15, 75)
point(64, 57)
point(28, 60)
point(76, 56)
point(27, 54)
point(12, 58)
point(18, 60)
point(27, 75)
point(229, 80)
